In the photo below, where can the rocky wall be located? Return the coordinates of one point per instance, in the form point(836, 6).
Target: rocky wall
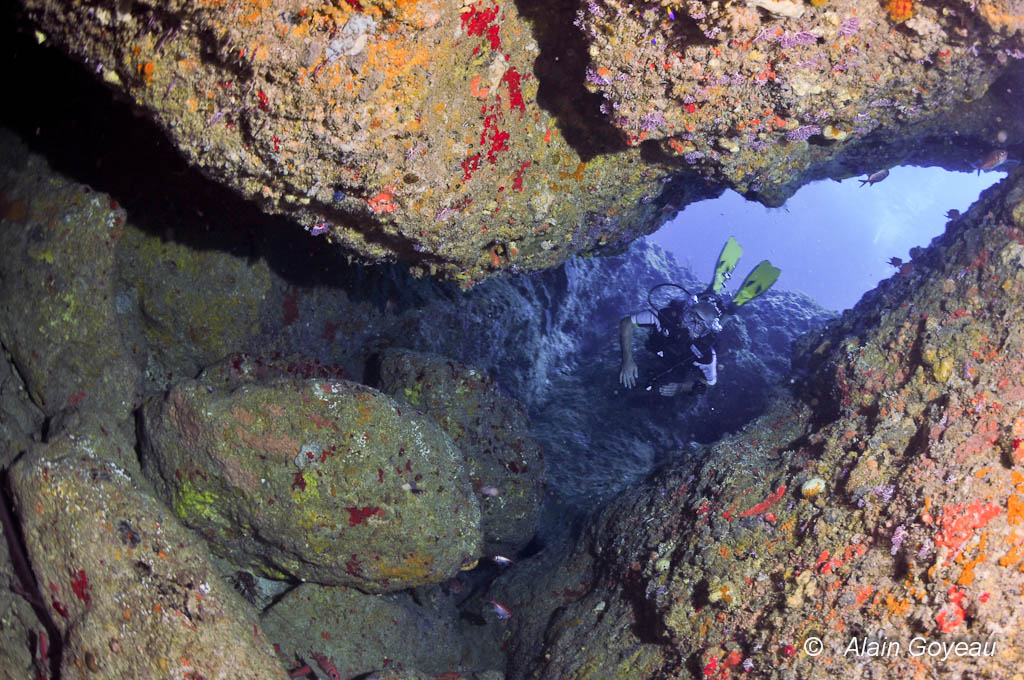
point(471, 138)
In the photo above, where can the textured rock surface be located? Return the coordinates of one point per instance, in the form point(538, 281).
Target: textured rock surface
point(363, 633)
point(20, 419)
point(194, 306)
point(504, 464)
point(19, 626)
point(59, 239)
point(758, 93)
point(371, 121)
point(129, 588)
point(325, 481)
point(463, 137)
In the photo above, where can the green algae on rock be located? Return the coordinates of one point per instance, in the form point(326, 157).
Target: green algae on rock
point(321, 480)
point(504, 464)
point(130, 589)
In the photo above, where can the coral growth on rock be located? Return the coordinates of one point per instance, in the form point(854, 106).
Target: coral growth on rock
point(470, 138)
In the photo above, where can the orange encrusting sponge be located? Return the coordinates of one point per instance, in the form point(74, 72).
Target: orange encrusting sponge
point(900, 10)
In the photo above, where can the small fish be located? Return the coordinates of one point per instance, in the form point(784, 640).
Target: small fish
point(502, 561)
point(991, 161)
point(326, 666)
point(896, 262)
point(875, 177)
point(490, 492)
point(500, 610)
point(952, 214)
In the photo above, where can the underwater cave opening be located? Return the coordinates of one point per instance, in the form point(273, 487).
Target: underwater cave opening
point(833, 240)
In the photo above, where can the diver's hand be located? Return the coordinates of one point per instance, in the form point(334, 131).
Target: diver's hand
point(628, 373)
point(669, 389)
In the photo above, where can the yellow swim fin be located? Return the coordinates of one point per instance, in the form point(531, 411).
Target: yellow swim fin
point(758, 281)
point(727, 261)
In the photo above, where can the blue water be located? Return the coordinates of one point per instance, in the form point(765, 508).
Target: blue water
point(832, 240)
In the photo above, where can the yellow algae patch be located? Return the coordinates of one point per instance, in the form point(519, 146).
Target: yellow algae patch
point(190, 502)
point(576, 174)
point(416, 567)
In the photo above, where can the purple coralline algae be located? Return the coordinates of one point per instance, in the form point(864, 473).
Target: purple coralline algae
point(803, 132)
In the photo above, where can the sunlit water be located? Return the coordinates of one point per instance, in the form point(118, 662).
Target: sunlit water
point(832, 240)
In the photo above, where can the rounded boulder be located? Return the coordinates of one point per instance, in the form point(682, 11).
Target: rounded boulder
point(320, 480)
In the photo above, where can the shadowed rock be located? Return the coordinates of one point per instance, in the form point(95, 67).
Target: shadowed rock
point(58, 240)
point(366, 632)
point(129, 588)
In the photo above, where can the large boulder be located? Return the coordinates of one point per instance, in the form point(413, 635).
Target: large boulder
point(505, 465)
point(129, 592)
point(368, 121)
point(60, 317)
point(320, 480)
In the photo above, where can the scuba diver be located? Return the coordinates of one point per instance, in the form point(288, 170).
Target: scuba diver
point(683, 333)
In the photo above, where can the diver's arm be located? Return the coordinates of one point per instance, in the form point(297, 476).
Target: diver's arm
point(628, 372)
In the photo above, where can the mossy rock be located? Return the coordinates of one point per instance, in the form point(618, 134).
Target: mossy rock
point(319, 480)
